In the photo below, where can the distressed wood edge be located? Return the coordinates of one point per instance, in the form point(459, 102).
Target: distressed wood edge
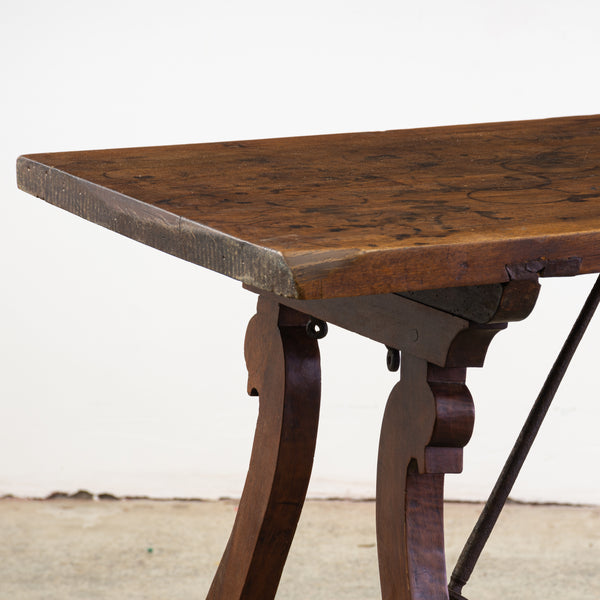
point(473, 263)
point(249, 263)
point(483, 304)
point(307, 275)
point(478, 303)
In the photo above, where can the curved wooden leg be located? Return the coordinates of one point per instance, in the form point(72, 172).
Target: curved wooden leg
point(284, 371)
point(428, 418)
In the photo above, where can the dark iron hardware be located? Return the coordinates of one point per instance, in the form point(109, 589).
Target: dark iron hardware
point(316, 328)
point(493, 507)
point(392, 359)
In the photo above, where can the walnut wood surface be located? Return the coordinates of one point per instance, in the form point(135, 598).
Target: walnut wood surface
point(284, 371)
point(419, 328)
point(390, 320)
point(427, 421)
point(350, 214)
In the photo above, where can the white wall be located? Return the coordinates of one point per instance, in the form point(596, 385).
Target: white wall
point(121, 367)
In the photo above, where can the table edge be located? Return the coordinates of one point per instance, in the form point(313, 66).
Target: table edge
point(291, 275)
point(249, 263)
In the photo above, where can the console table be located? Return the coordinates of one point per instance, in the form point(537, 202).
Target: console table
point(426, 240)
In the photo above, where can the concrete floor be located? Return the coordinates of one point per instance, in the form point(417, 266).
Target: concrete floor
point(142, 549)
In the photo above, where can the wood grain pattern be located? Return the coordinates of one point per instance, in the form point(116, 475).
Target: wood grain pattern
point(428, 420)
point(498, 303)
point(350, 214)
point(390, 320)
point(284, 371)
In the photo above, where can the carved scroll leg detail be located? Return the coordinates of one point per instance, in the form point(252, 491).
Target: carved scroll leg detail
point(284, 371)
point(428, 419)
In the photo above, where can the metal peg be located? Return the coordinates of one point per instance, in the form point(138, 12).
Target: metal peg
point(316, 329)
point(393, 359)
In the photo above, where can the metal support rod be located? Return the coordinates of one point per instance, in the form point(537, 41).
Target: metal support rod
point(491, 511)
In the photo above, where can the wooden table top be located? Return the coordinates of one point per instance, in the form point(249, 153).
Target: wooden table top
point(349, 214)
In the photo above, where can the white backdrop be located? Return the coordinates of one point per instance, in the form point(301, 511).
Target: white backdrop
point(122, 368)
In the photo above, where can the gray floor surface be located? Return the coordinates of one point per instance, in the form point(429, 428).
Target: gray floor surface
point(142, 549)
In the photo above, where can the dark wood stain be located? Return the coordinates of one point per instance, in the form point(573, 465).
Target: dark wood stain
point(284, 371)
point(428, 420)
point(388, 319)
point(349, 214)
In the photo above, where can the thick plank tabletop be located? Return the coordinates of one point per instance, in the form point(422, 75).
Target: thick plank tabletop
point(350, 214)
